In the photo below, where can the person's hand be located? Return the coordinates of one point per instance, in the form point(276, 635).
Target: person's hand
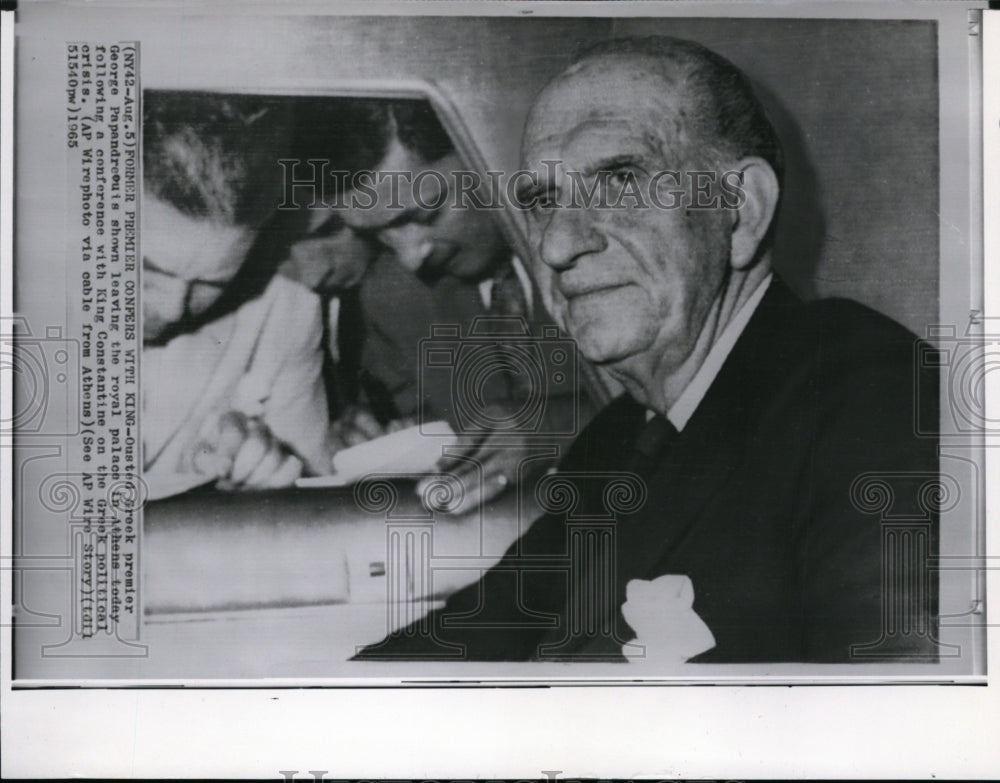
point(484, 469)
point(240, 452)
point(486, 465)
point(357, 425)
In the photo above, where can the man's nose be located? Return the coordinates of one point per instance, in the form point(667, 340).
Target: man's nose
point(411, 243)
point(570, 233)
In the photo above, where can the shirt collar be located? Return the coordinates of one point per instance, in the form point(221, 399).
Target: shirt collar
point(683, 409)
point(486, 286)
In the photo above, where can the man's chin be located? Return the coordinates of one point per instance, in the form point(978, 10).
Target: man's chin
point(609, 360)
point(593, 343)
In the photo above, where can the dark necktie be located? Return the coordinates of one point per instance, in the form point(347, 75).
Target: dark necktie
point(653, 439)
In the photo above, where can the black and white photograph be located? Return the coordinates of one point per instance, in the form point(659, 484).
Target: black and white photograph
point(595, 348)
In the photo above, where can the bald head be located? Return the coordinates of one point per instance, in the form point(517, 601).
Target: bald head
point(643, 280)
point(716, 112)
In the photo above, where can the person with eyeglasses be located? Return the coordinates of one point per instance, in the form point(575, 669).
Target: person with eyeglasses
point(233, 392)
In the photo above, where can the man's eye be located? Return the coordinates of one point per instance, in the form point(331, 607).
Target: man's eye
point(619, 177)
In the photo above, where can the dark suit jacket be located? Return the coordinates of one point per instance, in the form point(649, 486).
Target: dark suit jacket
point(773, 500)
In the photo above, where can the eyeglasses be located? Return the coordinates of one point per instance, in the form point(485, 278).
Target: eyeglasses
point(199, 294)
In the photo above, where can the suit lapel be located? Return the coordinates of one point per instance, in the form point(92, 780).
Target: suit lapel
point(704, 456)
point(714, 442)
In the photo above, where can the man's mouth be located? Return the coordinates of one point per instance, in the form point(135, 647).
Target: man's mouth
point(581, 292)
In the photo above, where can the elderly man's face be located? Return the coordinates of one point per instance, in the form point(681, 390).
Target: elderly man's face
point(420, 223)
point(626, 282)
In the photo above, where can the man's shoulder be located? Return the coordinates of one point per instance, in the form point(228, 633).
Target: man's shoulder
point(284, 304)
point(855, 374)
point(848, 322)
point(849, 339)
point(286, 290)
point(835, 337)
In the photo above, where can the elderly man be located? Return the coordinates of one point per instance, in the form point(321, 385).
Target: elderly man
point(748, 416)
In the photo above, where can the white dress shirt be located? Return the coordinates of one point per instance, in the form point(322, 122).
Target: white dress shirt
point(263, 360)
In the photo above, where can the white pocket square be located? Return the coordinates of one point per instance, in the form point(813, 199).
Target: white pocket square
point(667, 628)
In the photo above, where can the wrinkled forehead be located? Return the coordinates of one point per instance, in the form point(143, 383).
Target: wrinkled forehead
point(629, 96)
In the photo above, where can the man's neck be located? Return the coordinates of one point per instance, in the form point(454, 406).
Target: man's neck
point(660, 382)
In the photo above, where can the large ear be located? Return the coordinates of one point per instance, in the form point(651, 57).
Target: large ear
point(756, 199)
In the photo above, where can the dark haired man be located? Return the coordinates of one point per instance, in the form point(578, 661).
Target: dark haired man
point(749, 416)
point(442, 262)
